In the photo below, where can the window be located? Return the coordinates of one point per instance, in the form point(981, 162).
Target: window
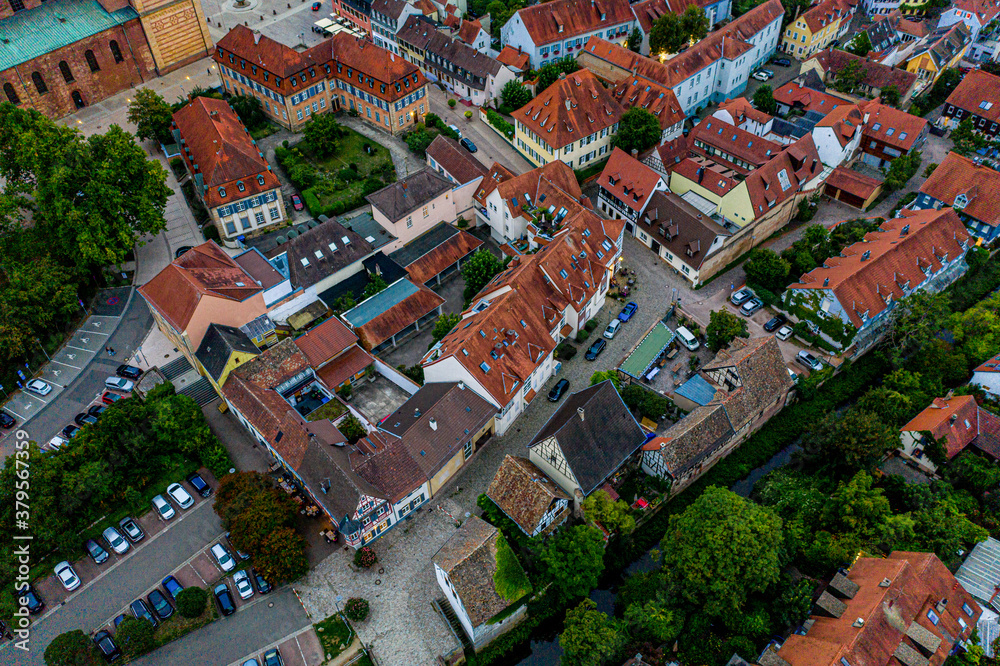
point(240, 186)
point(274, 213)
point(260, 180)
point(967, 608)
point(222, 192)
point(230, 228)
point(409, 224)
point(467, 450)
point(17, 5)
point(116, 52)
point(933, 617)
point(92, 61)
point(12, 97)
point(39, 82)
point(259, 216)
point(889, 131)
point(245, 223)
point(66, 72)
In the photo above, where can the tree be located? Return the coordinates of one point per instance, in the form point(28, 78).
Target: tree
point(376, 284)
point(638, 130)
point(322, 134)
point(589, 636)
point(861, 45)
point(267, 511)
point(444, 324)
point(916, 321)
point(549, 73)
point(574, 560)
point(134, 637)
point(250, 110)
point(282, 558)
point(352, 428)
point(73, 648)
point(722, 549)
point(892, 407)
point(514, 95)
point(902, 169)
point(478, 270)
point(635, 40)
point(666, 35)
point(356, 609)
point(977, 330)
point(151, 116)
point(890, 95)
point(655, 619)
point(191, 602)
point(694, 23)
point(854, 440)
point(857, 507)
point(966, 140)
point(614, 516)
point(849, 77)
point(723, 327)
point(763, 99)
point(606, 375)
point(238, 491)
point(418, 141)
point(766, 268)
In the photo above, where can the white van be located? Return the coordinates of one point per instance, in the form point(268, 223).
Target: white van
point(687, 338)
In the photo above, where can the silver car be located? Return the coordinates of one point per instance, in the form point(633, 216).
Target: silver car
point(178, 494)
point(222, 556)
point(115, 540)
point(163, 508)
point(741, 296)
point(38, 387)
point(243, 585)
point(66, 575)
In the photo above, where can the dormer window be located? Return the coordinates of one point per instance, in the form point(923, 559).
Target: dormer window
point(222, 192)
point(260, 180)
point(240, 186)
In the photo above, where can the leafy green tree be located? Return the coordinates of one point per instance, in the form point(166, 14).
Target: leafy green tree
point(351, 428)
point(73, 648)
point(974, 472)
point(282, 557)
point(356, 609)
point(656, 619)
point(694, 23)
point(573, 560)
point(849, 77)
point(614, 516)
point(723, 328)
point(892, 407)
point(638, 130)
point(645, 403)
point(634, 40)
point(191, 602)
point(722, 549)
point(134, 636)
point(917, 320)
point(890, 95)
point(477, 271)
point(766, 268)
point(966, 140)
point(977, 330)
point(606, 375)
point(418, 141)
point(236, 492)
point(376, 284)
point(946, 531)
point(322, 134)
point(667, 35)
point(250, 110)
point(854, 440)
point(549, 73)
point(795, 602)
point(151, 116)
point(514, 95)
point(857, 507)
point(763, 99)
point(902, 169)
point(444, 324)
point(589, 638)
point(861, 45)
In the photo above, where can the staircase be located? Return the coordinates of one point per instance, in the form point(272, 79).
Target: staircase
point(200, 391)
point(444, 608)
point(176, 368)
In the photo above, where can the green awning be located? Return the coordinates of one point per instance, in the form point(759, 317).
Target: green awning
point(638, 363)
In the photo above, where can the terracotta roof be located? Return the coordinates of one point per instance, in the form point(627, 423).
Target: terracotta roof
point(628, 180)
point(456, 247)
point(515, 59)
point(204, 270)
point(892, 603)
point(401, 77)
point(874, 74)
point(985, 10)
point(740, 108)
point(979, 94)
point(223, 151)
point(570, 109)
point(648, 11)
point(944, 44)
point(218, 346)
point(853, 182)
point(469, 31)
point(391, 469)
point(795, 94)
point(398, 316)
point(345, 366)
point(959, 176)
point(401, 198)
point(679, 227)
point(990, 365)
point(561, 19)
point(875, 269)
point(455, 160)
point(892, 126)
point(325, 341)
point(956, 419)
point(988, 440)
point(595, 432)
point(524, 492)
point(391, 8)
point(636, 93)
point(498, 173)
point(555, 181)
point(784, 176)
point(826, 12)
point(730, 139)
point(715, 178)
point(846, 120)
point(256, 264)
point(271, 55)
point(456, 59)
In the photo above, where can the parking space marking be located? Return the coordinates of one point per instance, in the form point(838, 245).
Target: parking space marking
point(66, 364)
point(275, 644)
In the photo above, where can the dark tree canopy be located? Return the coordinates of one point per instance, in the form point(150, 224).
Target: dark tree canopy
point(151, 115)
point(638, 130)
point(723, 327)
point(479, 269)
point(763, 99)
point(515, 95)
point(73, 648)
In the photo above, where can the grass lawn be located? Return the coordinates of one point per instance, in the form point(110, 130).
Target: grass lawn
point(331, 410)
point(334, 634)
point(333, 189)
point(177, 625)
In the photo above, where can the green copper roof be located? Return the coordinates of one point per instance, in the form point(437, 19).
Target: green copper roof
point(29, 34)
point(640, 360)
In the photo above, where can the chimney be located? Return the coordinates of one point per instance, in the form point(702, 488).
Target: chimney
point(635, 152)
point(579, 410)
point(953, 418)
point(256, 37)
point(461, 386)
point(860, 622)
point(568, 104)
point(416, 413)
point(433, 423)
point(518, 50)
point(404, 187)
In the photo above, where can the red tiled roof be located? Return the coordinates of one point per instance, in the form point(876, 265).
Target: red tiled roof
point(457, 247)
point(730, 139)
point(826, 12)
point(204, 270)
point(795, 94)
point(877, 268)
point(561, 19)
point(784, 176)
point(555, 180)
point(715, 178)
point(268, 54)
point(524, 492)
point(979, 94)
point(990, 365)
point(959, 176)
point(570, 109)
point(740, 108)
point(514, 58)
point(498, 174)
point(383, 326)
point(345, 366)
point(636, 93)
point(894, 127)
point(853, 182)
point(459, 163)
point(223, 151)
point(401, 77)
point(628, 179)
point(846, 120)
point(956, 419)
point(874, 74)
point(322, 343)
point(469, 30)
point(985, 10)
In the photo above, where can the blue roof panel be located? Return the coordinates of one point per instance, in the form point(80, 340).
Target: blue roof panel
point(393, 295)
point(697, 390)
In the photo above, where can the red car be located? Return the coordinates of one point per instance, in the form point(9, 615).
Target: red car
point(110, 398)
point(316, 6)
point(297, 202)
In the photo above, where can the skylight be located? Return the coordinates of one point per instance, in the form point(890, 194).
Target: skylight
point(484, 366)
point(889, 131)
point(318, 254)
point(345, 240)
point(563, 274)
point(305, 261)
point(333, 247)
point(783, 179)
point(986, 105)
point(877, 127)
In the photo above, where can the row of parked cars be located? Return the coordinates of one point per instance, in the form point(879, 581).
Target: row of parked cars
point(114, 387)
point(749, 303)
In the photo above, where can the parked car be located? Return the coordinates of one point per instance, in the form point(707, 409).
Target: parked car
point(179, 252)
point(199, 484)
point(454, 128)
point(558, 390)
point(56, 443)
point(159, 604)
point(741, 296)
point(241, 579)
point(612, 328)
point(69, 432)
point(784, 333)
point(67, 576)
point(131, 529)
point(774, 323)
point(38, 387)
point(250, 662)
point(273, 658)
point(687, 338)
point(96, 410)
point(109, 398)
point(172, 587)
point(297, 202)
point(222, 556)
point(119, 619)
point(224, 598)
point(98, 554)
point(128, 371)
point(6, 420)
point(182, 497)
point(83, 418)
point(262, 585)
point(468, 145)
point(595, 350)
point(316, 6)
point(751, 306)
point(808, 360)
point(141, 611)
point(29, 599)
point(119, 384)
point(627, 312)
point(115, 540)
point(106, 645)
point(760, 76)
point(163, 508)
point(782, 62)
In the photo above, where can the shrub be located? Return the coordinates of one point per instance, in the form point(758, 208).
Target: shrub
point(462, 223)
point(468, 115)
point(590, 325)
point(365, 557)
point(216, 458)
point(348, 175)
point(210, 232)
point(356, 609)
point(565, 351)
point(498, 121)
point(452, 103)
point(135, 637)
point(582, 335)
point(191, 602)
point(352, 429)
